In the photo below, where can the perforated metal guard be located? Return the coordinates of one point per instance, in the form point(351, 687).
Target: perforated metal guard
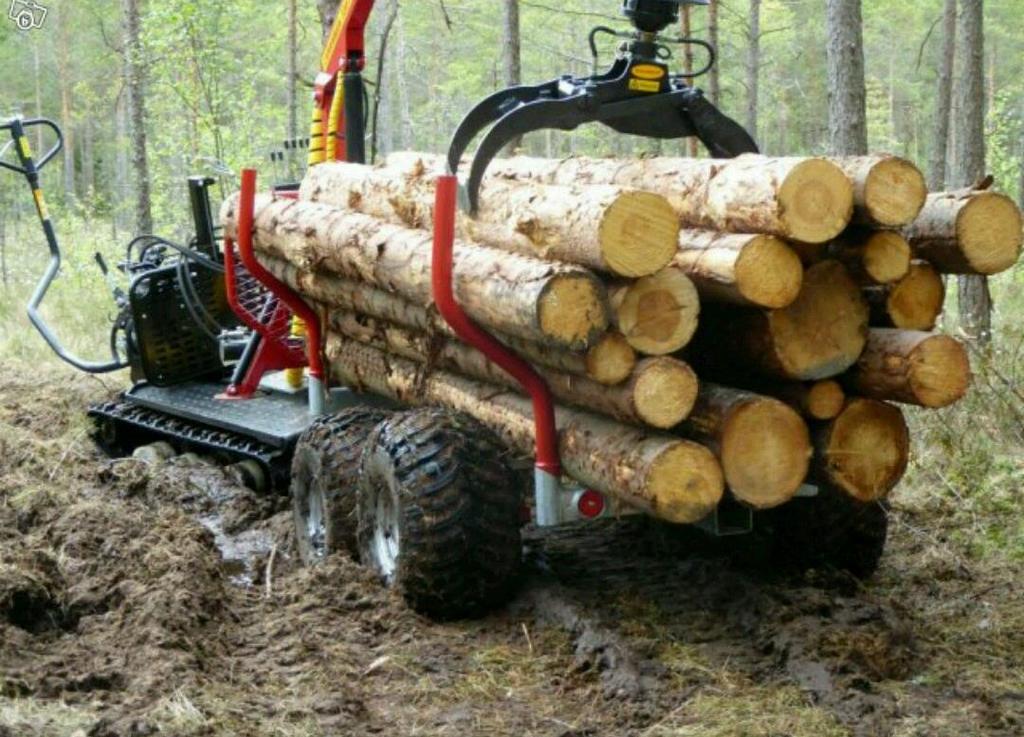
point(173, 348)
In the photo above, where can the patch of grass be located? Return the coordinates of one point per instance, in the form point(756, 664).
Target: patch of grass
point(748, 710)
point(38, 718)
point(178, 715)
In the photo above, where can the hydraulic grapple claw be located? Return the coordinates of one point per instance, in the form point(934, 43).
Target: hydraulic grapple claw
point(637, 96)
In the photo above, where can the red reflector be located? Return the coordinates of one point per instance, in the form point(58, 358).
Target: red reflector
point(590, 504)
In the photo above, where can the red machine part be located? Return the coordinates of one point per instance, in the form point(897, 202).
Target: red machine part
point(344, 51)
point(548, 459)
point(266, 305)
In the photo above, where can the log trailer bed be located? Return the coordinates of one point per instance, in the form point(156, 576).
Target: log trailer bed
point(228, 359)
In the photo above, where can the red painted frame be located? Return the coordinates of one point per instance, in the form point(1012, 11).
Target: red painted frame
point(546, 433)
point(272, 354)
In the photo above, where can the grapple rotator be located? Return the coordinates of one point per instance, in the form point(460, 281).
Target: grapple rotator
point(638, 95)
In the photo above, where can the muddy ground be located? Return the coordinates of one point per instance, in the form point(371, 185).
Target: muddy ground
point(167, 601)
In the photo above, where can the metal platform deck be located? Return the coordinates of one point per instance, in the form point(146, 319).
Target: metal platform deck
point(273, 418)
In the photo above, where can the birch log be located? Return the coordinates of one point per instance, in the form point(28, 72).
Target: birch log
point(660, 393)
point(763, 445)
point(549, 303)
point(912, 367)
point(671, 478)
point(864, 451)
point(610, 360)
point(626, 232)
point(967, 232)
point(803, 199)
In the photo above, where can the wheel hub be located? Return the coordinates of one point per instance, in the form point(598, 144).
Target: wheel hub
point(386, 538)
point(316, 526)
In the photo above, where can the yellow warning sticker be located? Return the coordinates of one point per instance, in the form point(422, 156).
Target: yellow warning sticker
point(26, 150)
point(44, 212)
point(648, 71)
point(643, 85)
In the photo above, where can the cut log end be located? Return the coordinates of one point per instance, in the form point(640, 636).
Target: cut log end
point(686, 481)
point(940, 372)
point(894, 192)
point(916, 301)
point(658, 314)
point(766, 451)
point(821, 334)
point(816, 201)
point(611, 359)
point(824, 400)
point(913, 367)
point(664, 391)
point(989, 232)
point(769, 273)
point(638, 234)
point(886, 257)
point(864, 451)
point(572, 311)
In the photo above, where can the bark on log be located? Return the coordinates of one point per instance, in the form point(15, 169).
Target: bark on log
point(872, 256)
point(864, 451)
point(911, 367)
point(522, 296)
point(660, 393)
point(749, 270)
point(913, 303)
point(803, 199)
point(657, 314)
point(610, 360)
point(670, 478)
point(817, 337)
point(763, 445)
point(622, 231)
point(887, 191)
point(967, 232)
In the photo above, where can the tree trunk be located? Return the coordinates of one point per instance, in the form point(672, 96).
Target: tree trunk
point(37, 79)
point(968, 232)
point(969, 159)
point(609, 361)
point(913, 303)
point(864, 451)
point(657, 314)
point(753, 66)
point(378, 91)
point(871, 256)
point(714, 84)
point(748, 270)
point(749, 194)
point(328, 10)
point(943, 99)
point(763, 445)
point(660, 393)
point(511, 56)
point(625, 232)
point(134, 74)
point(888, 191)
point(64, 71)
point(549, 303)
point(670, 478)
point(818, 336)
point(847, 111)
point(292, 84)
point(685, 27)
point(912, 367)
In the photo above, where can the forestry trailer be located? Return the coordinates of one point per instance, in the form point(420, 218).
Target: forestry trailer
point(227, 360)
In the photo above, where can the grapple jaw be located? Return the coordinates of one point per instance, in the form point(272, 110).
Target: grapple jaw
point(637, 96)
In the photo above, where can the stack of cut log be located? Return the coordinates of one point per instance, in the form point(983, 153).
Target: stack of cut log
point(707, 326)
